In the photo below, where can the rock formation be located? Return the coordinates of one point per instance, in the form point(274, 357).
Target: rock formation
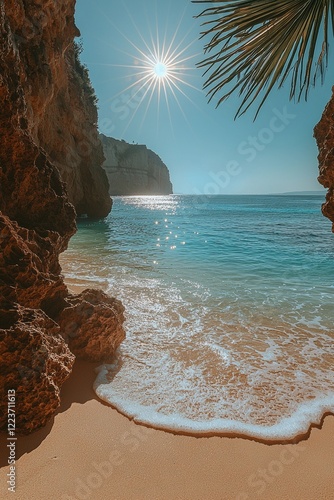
point(48, 135)
point(86, 323)
point(134, 169)
point(324, 134)
point(35, 362)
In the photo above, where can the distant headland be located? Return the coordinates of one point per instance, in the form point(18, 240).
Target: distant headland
point(133, 169)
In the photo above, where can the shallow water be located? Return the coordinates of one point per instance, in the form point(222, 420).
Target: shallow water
point(229, 310)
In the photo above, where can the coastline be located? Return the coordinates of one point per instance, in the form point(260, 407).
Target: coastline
point(52, 172)
point(90, 451)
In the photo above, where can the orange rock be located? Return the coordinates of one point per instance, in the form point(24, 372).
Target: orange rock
point(92, 325)
point(50, 160)
point(35, 362)
point(324, 134)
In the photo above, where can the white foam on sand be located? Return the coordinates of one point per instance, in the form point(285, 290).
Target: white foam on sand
point(201, 364)
point(287, 428)
point(186, 368)
point(226, 334)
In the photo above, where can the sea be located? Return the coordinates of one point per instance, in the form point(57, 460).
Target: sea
point(229, 311)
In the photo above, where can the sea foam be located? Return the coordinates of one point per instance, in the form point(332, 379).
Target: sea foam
point(198, 371)
point(231, 333)
point(286, 429)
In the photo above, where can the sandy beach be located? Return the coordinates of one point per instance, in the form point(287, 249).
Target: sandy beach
point(90, 451)
point(213, 233)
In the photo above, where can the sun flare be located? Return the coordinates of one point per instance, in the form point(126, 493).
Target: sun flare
point(162, 70)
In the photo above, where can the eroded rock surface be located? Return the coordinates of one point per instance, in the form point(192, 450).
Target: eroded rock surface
point(324, 134)
point(35, 362)
point(59, 110)
point(87, 321)
point(48, 136)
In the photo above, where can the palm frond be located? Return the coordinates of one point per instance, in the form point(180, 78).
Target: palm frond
point(257, 45)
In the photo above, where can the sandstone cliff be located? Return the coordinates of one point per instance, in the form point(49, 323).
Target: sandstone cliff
point(134, 169)
point(48, 135)
point(324, 134)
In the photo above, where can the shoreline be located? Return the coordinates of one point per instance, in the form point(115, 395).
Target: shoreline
point(91, 451)
point(225, 428)
point(267, 435)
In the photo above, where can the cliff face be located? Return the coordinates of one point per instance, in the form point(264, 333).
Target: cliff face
point(60, 112)
point(47, 120)
point(134, 169)
point(324, 134)
point(67, 129)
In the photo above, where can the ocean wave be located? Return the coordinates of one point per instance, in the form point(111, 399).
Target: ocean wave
point(225, 333)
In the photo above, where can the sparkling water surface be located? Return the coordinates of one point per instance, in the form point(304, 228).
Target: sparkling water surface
point(229, 307)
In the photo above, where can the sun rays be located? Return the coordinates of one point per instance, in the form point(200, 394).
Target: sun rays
point(161, 70)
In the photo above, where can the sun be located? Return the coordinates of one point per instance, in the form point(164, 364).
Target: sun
point(162, 69)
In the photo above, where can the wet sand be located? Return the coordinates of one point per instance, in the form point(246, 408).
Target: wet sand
point(90, 451)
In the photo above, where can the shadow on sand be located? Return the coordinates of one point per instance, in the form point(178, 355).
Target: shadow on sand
point(77, 389)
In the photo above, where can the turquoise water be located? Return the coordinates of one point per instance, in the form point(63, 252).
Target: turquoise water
point(229, 306)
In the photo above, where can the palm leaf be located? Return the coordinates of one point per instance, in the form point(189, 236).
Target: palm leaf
point(258, 45)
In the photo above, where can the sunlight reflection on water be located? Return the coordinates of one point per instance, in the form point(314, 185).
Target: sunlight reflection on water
point(229, 311)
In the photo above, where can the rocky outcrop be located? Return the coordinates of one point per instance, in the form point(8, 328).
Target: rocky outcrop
point(60, 112)
point(29, 267)
point(134, 169)
point(86, 323)
point(48, 135)
point(324, 134)
point(35, 362)
point(68, 131)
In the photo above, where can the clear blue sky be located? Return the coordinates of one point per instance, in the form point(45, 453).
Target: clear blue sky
point(205, 150)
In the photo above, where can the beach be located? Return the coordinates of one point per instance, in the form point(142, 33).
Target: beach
point(197, 363)
point(229, 314)
point(90, 451)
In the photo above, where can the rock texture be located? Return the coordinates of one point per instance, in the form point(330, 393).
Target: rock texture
point(324, 134)
point(59, 109)
point(87, 321)
point(134, 169)
point(35, 362)
point(48, 135)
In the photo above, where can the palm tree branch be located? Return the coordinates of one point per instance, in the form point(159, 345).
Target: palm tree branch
point(256, 45)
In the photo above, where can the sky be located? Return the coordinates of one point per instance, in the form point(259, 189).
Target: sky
point(206, 150)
